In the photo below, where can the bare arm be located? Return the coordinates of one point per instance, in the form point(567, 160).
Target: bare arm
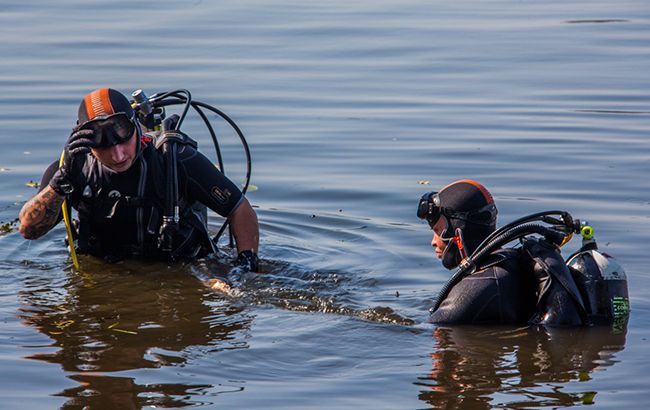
point(243, 222)
point(40, 213)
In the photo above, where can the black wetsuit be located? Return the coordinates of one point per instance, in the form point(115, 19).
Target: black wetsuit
point(121, 213)
point(497, 293)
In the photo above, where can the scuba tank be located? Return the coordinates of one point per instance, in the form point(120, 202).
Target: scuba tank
point(602, 282)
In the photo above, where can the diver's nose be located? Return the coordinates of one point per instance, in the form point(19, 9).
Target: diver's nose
point(118, 153)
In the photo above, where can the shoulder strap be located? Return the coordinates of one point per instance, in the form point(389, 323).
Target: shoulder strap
point(174, 136)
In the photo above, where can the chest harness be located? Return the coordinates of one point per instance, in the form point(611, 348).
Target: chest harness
point(141, 228)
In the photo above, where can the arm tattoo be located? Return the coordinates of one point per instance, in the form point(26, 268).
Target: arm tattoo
point(40, 213)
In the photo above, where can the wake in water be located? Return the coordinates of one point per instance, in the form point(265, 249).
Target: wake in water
point(296, 288)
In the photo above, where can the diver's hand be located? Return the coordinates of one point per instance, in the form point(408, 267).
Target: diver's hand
point(78, 145)
point(247, 261)
point(219, 285)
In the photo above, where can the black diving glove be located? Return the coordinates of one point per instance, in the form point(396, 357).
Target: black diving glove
point(78, 145)
point(248, 261)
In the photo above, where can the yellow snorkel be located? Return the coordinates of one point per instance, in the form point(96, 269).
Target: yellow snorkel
point(68, 226)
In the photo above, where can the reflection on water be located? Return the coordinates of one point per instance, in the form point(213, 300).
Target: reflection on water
point(479, 368)
point(113, 320)
point(132, 315)
point(98, 391)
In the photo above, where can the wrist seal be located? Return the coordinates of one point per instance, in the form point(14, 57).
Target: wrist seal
point(248, 260)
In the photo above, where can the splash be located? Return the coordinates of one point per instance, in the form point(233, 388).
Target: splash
point(295, 288)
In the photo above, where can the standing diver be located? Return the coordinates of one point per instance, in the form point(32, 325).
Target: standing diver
point(118, 180)
point(531, 284)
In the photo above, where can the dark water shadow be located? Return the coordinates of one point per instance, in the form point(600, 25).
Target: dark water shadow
point(478, 368)
point(114, 318)
point(109, 392)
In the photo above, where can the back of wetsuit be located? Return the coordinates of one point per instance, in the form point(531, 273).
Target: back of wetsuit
point(499, 292)
point(559, 302)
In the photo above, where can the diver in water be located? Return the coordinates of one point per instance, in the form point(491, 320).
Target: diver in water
point(461, 216)
point(116, 179)
point(530, 284)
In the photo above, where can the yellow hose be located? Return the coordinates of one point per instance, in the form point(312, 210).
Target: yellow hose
point(68, 226)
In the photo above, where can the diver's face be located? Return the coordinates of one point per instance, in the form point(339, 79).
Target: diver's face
point(118, 157)
point(438, 244)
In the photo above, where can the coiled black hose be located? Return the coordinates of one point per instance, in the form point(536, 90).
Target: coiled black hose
point(566, 222)
point(184, 97)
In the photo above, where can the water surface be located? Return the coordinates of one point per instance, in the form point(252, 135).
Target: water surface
point(352, 111)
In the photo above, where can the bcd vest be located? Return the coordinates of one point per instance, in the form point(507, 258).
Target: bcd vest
point(115, 224)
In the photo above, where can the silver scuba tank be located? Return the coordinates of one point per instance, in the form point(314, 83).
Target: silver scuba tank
point(602, 283)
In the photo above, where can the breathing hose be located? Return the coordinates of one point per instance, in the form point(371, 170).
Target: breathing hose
point(508, 233)
point(183, 97)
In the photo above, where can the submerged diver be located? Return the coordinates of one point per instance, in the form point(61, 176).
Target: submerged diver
point(115, 177)
point(530, 284)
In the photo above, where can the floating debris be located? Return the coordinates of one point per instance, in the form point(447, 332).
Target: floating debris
point(8, 227)
point(124, 331)
point(424, 182)
point(115, 329)
point(33, 184)
point(62, 324)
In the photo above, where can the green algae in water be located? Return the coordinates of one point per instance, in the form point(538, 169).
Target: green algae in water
point(8, 227)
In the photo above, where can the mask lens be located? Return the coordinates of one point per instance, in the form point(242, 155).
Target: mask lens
point(113, 130)
point(429, 208)
point(122, 127)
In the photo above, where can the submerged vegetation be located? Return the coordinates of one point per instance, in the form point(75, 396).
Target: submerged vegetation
point(8, 227)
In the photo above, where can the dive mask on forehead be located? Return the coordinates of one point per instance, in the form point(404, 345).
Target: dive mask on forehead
point(110, 130)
